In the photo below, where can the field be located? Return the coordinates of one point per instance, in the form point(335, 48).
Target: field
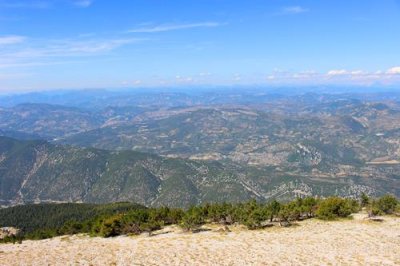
point(354, 241)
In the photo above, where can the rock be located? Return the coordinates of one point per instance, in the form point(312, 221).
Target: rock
point(8, 231)
point(224, 229)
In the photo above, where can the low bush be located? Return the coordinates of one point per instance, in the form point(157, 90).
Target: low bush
point(126, 219)
point(335, 207)
point(193, 218)
point(387, 204)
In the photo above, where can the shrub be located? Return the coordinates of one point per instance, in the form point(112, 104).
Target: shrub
point(192, 219)
point(386, 204)
point(273, 209)
point(309, 206)
point(71, 228)
point(334, 207)
point(149, 227)
point(41, 234)
point(111, 226)
point(165, 215)
point(218, 212)
point(256, 217)
point(289, 212)
point(364, 200)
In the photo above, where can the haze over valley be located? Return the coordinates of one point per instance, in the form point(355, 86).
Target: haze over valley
point(223, 146)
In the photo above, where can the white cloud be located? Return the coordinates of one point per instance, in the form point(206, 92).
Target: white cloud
point(344, 72)
point(357, 73)
point(305, 74)
point(336, 76)
point(339, 72)
point(172, 27)
point(8, 40)
point(394, 71)
point(181, 79)
point(292, 10)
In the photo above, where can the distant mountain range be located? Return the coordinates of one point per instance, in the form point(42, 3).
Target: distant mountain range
point(180, 149)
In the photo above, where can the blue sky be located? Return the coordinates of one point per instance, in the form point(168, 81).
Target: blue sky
point(53, 44)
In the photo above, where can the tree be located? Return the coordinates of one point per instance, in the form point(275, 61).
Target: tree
point(309, 206)
point(335, 207)
point(387, 204)
point(111, 226)
point(273, 208)
point(258, 215)
point(221, 213)
point(192, 219)
point(364, 200)
point(70, 228)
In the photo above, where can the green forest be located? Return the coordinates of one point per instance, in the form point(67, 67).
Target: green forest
point(40, 221)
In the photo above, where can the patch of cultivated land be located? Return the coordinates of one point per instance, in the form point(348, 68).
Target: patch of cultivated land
point(312, 242)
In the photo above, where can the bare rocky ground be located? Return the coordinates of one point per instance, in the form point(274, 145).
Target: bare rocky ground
point(313, 242)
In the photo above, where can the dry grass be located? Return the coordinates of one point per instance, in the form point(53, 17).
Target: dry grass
point(313, 242)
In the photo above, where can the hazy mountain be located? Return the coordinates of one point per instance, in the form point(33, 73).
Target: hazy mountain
point(330, 137)
point(19, 134)
point(48, 121)
point(236, 147)
point(96, 99)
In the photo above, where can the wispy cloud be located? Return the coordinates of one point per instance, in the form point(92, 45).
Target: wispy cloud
point(43, 4)
point(14, 39)
point(87, 47)
point(293, 10)
point(42, 52)
point(173, 27)
point(11, 76)
point(24, 65)
point(25, 4)
point(83, 3)
point(68, 48)
point(394, 71)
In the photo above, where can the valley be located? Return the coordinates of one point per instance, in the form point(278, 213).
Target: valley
point(276, 147)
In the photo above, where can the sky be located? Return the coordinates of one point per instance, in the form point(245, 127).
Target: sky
point(66, 44)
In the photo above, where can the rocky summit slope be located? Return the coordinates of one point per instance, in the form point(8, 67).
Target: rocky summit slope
point(349, 242)
point(36, 171)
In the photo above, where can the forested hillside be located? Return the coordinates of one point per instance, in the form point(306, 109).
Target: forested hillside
point(36, 171)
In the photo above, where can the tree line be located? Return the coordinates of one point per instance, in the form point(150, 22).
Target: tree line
point(129, 219)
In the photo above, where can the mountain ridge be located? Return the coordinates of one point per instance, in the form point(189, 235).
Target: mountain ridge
point(37, 171)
